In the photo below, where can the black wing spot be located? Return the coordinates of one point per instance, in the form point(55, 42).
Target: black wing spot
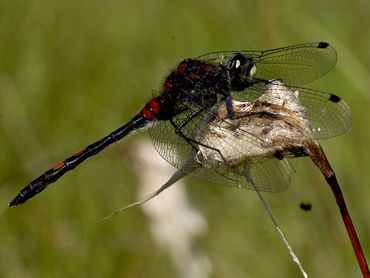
point(334, 98)
point(279, 155)
point(323, 45)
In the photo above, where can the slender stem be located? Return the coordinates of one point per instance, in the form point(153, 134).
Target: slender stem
point(282, 235)
point(335, 188)
point(319, 158)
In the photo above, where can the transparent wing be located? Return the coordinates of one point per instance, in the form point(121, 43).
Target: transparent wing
point(198, 133)
point(270, 175)
point(327, 113)
point(233, 152)
point(294, 65)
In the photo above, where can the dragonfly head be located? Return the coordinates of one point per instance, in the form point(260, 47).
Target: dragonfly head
point(241, 70)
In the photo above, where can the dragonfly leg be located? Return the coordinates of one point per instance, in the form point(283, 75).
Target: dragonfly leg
point(193, 143)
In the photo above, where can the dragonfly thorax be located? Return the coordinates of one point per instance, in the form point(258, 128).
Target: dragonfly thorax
point(193, 84)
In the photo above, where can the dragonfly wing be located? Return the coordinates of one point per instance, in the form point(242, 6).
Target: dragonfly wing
point(327, 113)
point(294, 65)
point(233, 145)
point(271, 175)
point(200, 132)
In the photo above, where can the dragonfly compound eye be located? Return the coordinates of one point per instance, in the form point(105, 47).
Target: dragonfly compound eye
point(241, 70)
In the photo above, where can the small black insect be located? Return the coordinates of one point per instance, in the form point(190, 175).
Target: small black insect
point(305, 206)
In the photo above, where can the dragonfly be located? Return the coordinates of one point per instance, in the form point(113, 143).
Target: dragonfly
point(200, 86)
point(195, 86)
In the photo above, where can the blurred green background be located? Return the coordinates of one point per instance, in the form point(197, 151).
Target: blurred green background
point(72, 71)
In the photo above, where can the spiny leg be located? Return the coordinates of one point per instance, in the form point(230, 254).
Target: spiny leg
point(193, 143)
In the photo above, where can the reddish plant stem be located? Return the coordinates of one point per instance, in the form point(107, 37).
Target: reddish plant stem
point(319, 158)
point(335, 188)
